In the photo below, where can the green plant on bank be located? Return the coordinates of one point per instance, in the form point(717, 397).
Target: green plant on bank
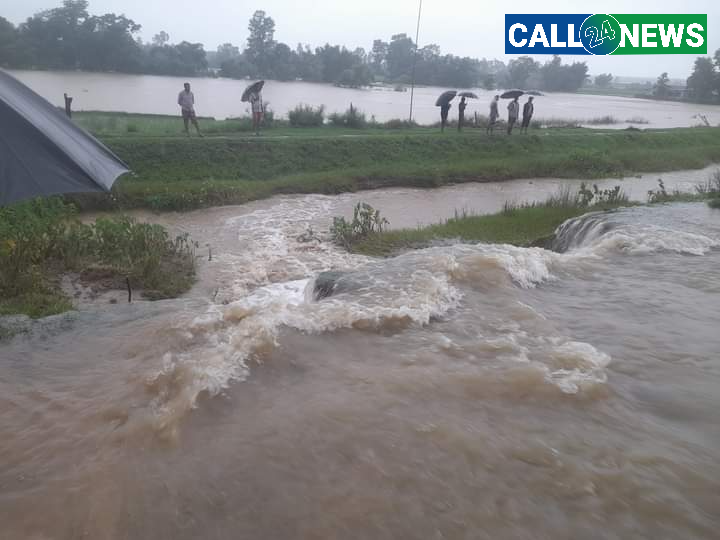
point(352, 118)
point(42, 239)
point(307, 116)
point(366, 221)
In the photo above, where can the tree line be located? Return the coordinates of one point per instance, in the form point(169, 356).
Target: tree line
point(69, 37)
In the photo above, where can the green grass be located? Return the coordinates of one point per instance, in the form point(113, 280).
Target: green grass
point(175, 173)
point(39, 302)
point(522, 227)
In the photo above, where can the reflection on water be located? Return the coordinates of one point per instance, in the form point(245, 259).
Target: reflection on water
point(467, 391)
point(221, 98)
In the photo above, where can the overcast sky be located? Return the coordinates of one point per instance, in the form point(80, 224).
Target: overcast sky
point(463, 27)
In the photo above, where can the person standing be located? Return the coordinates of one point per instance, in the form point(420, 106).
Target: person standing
point(444, 111)
point(461, 113)
point(257, 110)
point(494, 115)
point(513, 113)
point(528, 110)
point(186, 100)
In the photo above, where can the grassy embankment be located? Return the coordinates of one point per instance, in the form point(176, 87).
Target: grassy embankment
point(175, 173)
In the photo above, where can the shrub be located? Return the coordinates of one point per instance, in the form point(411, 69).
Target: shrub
point(43, 238)
point(307, 116)
point(352, 118)
point(711, 186)
point(366, 221)
point(398, 123)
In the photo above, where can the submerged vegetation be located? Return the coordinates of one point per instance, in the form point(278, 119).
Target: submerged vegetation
point(42, 240)
point(524, 224)
point(706, 191)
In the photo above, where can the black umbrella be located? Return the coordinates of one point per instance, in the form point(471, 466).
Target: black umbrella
point(254, 88)
point(43, 153)
point(512, 94)
point(534, 93)
point(445, 97)
point(468, 95)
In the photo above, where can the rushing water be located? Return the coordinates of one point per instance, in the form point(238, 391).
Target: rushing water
point(464, 391)
point(221, 98)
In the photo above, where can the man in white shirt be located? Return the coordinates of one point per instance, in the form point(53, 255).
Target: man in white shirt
point(186, 100)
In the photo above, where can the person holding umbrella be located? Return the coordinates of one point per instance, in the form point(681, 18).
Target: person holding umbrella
point(494, 115)
point(513, 113)
point(444, 111)
point(461, 113)
point(463, 105)
point(444, 103)
point(528, 110)
point(253, 94)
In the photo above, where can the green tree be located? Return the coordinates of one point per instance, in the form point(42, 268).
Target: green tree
point(8, 43)
point(488, 82)
point(604, 80)
point(282, 63)
point(661, 89)
point(378, 57)
point(702, 85)
point(55, 37)
point(161, 39)
point(400, 57)
point(109, 44)
point(261, 41)
point(520, 70)
point(225, 53)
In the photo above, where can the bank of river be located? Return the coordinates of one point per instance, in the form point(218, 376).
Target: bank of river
point(180, 174)
point(481, 391)
point(221, 98)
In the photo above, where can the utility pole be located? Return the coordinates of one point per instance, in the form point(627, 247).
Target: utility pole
point(417, 37)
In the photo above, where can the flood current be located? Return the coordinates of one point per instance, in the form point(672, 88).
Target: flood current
point(460, 391)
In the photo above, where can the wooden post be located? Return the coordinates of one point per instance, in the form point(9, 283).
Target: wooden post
point(68, 105)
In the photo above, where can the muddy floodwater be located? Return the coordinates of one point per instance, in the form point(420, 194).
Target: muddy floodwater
point(220, 98)
point(461, 391)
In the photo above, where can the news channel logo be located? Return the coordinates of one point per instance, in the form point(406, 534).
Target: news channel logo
point(603, 34)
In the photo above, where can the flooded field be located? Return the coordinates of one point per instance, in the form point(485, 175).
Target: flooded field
point(221, 98)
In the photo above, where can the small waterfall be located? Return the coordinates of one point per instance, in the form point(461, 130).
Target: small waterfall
point(579, 231)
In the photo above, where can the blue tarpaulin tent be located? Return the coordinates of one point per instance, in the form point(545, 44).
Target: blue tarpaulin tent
point(42, 152)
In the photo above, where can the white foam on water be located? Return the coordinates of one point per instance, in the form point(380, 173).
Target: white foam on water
point(651, 239)
point(221, 342)
point(576, 365)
